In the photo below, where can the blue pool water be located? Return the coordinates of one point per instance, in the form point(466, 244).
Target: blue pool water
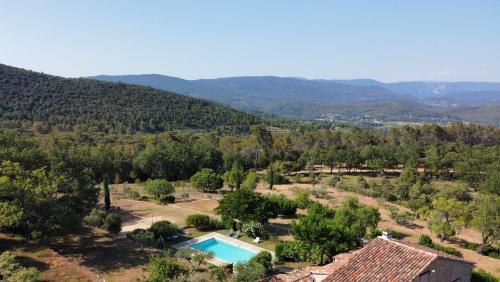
point(224, 251)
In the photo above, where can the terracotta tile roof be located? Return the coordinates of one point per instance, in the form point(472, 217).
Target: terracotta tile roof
point(388, 260)
point(314, 273)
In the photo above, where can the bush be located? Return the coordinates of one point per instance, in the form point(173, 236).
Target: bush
point(10, 270)
point(112, 223)
point(288, 251)
point(199, 221)
point(425, 240)
point(219, 273)
point(401, 217)
point(206, 180)
point(141, 236)
point(481, 275)
point(265, 259)
point(95, 218)
point(250, 272)
point(164, 229)
point(302, 198)
point(284, 206)
point(160, 190)
point(163, 268)
point(334, 180)
point(131, 193)
point(320, 193)
point(252, 228)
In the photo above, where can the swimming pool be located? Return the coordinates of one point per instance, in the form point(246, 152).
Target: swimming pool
point(224, 251)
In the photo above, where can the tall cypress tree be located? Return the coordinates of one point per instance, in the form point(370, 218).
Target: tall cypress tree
point(107, 199)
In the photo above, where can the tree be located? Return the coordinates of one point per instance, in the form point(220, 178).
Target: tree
point(10, 270)
point(447, 217)
point(164, 269)
point(107, 199)
point(11, 215)
point(250, 272)
point(160, 189)
point(194, 257)
point(273, 177)
point(29, 200)
point(235, 176)
point(143, 237)
point(220, 273)
point(164, 228)
point(264, 138)
point(330, 232)
point(492, 183)
point(331, 157)
point(251, 180)
point(270, 176)
point(113, 223)
point(245, 205)
point(486, 218)
point(264, 258)
point(314, 178)
point(207, 180)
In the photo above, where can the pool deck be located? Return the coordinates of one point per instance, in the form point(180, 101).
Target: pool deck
point(229, 240)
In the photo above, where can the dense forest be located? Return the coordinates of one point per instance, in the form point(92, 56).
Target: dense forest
point(104, 106)
point(469, 153)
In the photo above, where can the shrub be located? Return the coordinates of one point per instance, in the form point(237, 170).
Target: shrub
point(302, 198)
point(334, 180)
point(252, 228)
point(374, 233)
point(264, 258)
point(425, 240)
point(112, 223)
point(219, 273)
point(95, 218)
point(284, 206)
point(141, 236)
point(206, 180)
point(162, 268)
point(199, 221)
point(395, 234)
point(320, 192)
point(131, 193)
point(288, 251)
point(10, 270)
point(400, 218)
point(160, 190)
point(250, 272)
point(250, 181)
point(481, 275)
point(164, 229)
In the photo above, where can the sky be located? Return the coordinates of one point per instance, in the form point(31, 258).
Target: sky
point(452, 40)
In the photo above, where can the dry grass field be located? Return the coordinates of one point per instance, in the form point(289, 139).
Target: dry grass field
point(93, 253)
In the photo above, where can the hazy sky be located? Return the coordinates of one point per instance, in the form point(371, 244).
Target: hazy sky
point(385, 40)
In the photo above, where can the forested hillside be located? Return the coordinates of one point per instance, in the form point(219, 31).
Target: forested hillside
point(106, 106)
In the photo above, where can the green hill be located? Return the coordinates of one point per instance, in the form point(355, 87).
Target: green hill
point(107, 106)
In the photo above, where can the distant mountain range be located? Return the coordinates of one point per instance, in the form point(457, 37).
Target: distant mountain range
point(344, 100)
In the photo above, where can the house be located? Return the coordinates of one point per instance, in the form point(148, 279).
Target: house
point(314, 273)
point(388, 260)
